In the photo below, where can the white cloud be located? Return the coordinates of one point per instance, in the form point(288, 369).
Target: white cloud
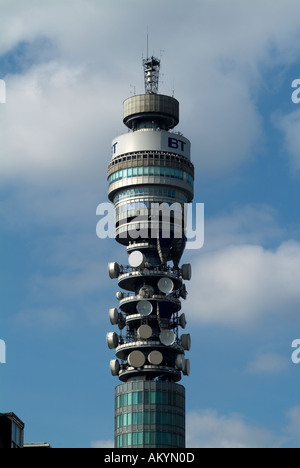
point(208, 429)
point(247, 224)
point(50, 125)
point(102, 444)
point(268, 364)
point(57, 110)
point(239, 285)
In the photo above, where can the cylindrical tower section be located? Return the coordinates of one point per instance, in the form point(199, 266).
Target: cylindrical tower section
point(150, 168)
point(151, 111)
point(149, 414)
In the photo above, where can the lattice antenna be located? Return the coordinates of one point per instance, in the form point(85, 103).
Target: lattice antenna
point(151, 72)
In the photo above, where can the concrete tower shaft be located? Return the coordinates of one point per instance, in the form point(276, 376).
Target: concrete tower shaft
point(150, 182)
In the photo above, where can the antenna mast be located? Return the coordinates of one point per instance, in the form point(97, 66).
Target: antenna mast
point(151, 72)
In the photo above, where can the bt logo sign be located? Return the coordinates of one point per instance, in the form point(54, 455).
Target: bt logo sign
point(2, 92)
point(176, 144)
point(2, 352)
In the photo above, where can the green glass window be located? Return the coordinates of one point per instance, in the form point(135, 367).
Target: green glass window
point(152, 398)
point(140, 438)
point(150, 170)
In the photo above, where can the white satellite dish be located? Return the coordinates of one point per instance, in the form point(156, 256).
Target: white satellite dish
point(167, 337)
point(136, 259)
point(113, 270)
point(145, 332)
point(144, 308)
point(115, 367)
point(166, 285)
point(119, 295)
point(155, 358)
point(114, 316)
point(136, 359)
point(186, 342)
point(112, 340)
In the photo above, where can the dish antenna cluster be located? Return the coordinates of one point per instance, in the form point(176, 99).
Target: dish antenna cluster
point(152, 323)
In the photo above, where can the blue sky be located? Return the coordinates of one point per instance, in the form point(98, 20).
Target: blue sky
point(68, 65)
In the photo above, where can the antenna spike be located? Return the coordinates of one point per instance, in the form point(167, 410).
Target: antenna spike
point(147, 43)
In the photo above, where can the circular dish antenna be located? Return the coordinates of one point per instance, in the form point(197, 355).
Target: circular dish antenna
point(180, 361)
point(145, 332)
point(136, 259)
point(114, 316)
point(119, 295)
point(167, 337)
point(155, 358)
point(113, 270)
point(115, 367)
point(136, 359)
point(186, 272)
point(144, 308)
point(186, 367)
point(186, 342)
point(112, 340)
point(182, 321)
point(166, 285)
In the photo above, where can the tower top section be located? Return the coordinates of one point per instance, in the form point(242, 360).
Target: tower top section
point(151, 72)
point(151, 110)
